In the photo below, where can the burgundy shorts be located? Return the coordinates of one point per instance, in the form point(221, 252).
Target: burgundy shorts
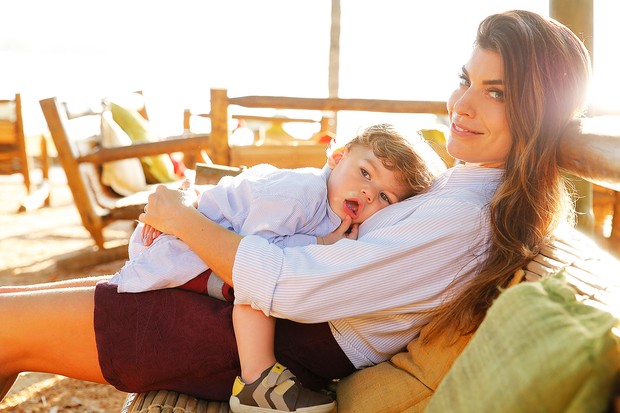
point(179, 340)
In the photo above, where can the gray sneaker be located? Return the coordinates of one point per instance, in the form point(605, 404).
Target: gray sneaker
point(278, 390)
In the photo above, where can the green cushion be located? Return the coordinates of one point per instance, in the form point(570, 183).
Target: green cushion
point(538, 350)
point(157, 168)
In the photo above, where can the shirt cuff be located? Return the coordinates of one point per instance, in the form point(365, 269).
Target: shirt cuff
point(256, 270)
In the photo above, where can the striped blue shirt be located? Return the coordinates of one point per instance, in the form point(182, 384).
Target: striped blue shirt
point(372, 290)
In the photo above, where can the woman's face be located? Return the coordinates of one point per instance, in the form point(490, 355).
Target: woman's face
point(479, 132)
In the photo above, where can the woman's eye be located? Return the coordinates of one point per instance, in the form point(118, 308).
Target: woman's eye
point(497, 94)
point(464, 80)
point(365, 173)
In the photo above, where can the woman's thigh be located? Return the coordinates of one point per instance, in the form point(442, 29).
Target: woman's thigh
point(179, 340)
point(166, 339)
point(311, 353)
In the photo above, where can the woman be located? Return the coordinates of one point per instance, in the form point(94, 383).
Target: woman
point(441, 254)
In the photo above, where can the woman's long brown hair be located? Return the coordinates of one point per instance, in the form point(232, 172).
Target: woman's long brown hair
point(546, 77)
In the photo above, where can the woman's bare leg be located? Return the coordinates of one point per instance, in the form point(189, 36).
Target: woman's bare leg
point(49, 331)
point(74, 282)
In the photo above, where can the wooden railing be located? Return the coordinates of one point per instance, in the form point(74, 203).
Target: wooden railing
point(220, 113)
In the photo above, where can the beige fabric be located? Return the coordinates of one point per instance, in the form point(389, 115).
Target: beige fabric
point(406, 382)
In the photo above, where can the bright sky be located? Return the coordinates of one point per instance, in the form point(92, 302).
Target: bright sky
point(176, 50)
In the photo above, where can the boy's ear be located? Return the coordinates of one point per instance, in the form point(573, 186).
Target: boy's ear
point(335, 157)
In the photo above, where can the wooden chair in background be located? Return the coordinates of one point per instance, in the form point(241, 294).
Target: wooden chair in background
point(82, 155)
point(13, 155)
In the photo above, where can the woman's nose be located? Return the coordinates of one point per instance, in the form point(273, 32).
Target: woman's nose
point(462, 103)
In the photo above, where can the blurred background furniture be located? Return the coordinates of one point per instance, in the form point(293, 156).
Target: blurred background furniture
point(606, 209)
point(13, 152)
point(250, 137)
point(77, 135)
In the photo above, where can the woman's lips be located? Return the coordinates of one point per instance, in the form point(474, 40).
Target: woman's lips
point(462, 130)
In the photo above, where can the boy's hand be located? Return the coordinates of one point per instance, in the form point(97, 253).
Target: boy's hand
point(191, 193)
point(149, 234)
point(345, 230)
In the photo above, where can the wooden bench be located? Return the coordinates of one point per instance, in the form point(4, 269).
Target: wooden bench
point(82, 155)
point(586, 152)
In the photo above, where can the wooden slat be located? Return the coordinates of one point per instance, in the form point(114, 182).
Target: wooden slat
point(179, 143)
point(163, 401)
point(282, 156)
point(339, 104)
point(8, 132)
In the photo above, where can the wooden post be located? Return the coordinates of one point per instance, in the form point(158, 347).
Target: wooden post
point(578, 16)
point(220, 152)
point(334, 62)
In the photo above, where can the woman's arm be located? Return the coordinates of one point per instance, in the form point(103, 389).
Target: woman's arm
point(71, 283)
point(402, 265)
point(172, 212)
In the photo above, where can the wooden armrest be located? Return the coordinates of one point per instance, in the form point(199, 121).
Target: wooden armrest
point(590, 149)
point(172, 144)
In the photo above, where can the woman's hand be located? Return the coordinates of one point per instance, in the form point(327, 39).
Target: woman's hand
point(344, 230)
point(164, 205)
point(172, 211)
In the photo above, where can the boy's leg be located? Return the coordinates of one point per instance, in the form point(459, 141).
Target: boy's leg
point(254, 332)
point(48, 331)
point(265, 384)
point(210, 284)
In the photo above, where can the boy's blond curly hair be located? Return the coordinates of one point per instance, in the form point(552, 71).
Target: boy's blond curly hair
point(414, 162)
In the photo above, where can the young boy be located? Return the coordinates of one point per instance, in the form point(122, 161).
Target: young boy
point(289, 207)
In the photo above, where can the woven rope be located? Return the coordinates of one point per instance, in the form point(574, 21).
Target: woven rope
point(163, 401)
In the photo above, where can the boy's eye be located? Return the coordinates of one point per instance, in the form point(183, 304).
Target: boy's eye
point(365, 173)
point(385, 198)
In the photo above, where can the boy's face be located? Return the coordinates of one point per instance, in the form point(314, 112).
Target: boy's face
point(359, 185)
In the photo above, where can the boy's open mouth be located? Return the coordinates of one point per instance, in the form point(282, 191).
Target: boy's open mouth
point(351, 207)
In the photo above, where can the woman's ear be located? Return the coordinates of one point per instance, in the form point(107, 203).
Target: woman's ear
point(335, 157)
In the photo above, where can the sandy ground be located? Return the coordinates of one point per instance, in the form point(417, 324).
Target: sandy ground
point(39, 246)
